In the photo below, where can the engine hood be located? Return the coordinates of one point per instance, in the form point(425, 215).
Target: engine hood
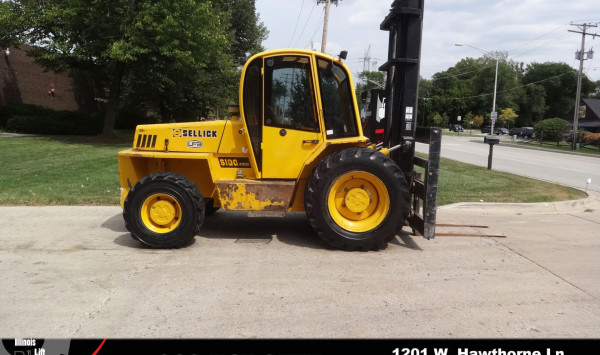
point(193, 137)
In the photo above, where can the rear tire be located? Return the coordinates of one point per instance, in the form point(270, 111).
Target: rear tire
point(357, 199)
point(164, 210)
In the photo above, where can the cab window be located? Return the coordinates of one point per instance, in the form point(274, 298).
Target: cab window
point(252, 106)
point(336, 98)
point(289, 94)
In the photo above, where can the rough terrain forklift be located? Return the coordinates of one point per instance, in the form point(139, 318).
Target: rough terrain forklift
point(294, 143)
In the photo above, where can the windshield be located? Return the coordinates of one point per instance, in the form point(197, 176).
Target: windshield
point(336, 98)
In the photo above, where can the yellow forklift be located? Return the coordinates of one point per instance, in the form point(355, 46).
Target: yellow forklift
point(295, 143)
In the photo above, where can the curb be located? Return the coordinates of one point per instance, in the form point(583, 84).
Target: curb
point(590, 202)
point(521, 146)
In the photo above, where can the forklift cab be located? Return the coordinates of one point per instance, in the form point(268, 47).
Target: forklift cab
point(292, 103)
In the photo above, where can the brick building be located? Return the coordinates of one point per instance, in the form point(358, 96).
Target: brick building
point(23, 81)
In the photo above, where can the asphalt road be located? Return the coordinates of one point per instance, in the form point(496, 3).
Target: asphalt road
point(565, 169)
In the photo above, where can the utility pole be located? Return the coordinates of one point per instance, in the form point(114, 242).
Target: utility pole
point(579, 55)
point(326, 21)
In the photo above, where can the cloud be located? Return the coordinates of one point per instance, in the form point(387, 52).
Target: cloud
point(531, 30)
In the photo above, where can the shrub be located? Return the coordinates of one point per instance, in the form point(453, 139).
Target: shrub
point(591, 138)
point(550, 129)
point(129, 118)
point(57, 122)
point(12, 110)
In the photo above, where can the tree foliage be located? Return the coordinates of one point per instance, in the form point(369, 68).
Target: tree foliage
point(559, 82)
point(172, 56)
point(477, 121)
point(531, 92)
point(507, 116)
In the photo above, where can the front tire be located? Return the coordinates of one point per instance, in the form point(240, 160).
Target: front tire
point(164, 210)
point(357, 199)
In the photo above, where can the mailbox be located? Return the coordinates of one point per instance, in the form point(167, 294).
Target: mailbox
point(491, 140)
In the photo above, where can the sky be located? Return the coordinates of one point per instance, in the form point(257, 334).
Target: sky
point(529, 30)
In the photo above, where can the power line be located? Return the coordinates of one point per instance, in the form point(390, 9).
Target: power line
point(296, 26)
point(556, 40)
point(306, 23)
point(538, 37)
point(552, 41)
point(317, 28)
point(506, 90)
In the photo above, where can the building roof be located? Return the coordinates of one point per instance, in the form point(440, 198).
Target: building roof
point(593, 105)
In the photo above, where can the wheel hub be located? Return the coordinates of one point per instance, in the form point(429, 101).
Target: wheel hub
point(162, 212)
point(357, 200)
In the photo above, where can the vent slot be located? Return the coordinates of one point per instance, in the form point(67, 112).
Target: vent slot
point(146, 141)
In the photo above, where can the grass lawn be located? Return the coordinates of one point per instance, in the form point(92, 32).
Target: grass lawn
point(562, 146)
point(460, 182)
point(465, 133)
point(59, 170)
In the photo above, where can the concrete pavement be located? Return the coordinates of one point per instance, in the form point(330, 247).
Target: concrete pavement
point(75, 272)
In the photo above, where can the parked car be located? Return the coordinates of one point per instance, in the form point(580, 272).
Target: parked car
point(515, 131)
point(526, 132)
point(497, 130)
point(456, 128)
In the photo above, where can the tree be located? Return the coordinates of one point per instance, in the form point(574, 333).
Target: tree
point(469, 120)
point(507, 116)
point(532, 106)
point(440, 120)
point(167, 45)
point(469, 85)
point(559, 81)
point(596, 93)
point(248, 32)
point(477, 121)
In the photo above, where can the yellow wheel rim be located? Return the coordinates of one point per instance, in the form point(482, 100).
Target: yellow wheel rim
point(358, 201)
point(161, 213)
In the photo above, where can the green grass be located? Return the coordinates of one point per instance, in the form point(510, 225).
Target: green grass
point(461, 134)
point(460, 182)
point(562, 146)
point(58, 170)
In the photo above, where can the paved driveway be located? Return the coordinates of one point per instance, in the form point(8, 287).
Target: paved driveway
point(75, 272)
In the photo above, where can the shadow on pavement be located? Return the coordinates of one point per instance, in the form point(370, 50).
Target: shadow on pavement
point(293, 229)
point(115, 223)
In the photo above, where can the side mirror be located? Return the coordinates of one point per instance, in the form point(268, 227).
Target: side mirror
point(343, 55)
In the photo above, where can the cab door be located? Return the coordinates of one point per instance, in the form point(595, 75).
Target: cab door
point(291, 131)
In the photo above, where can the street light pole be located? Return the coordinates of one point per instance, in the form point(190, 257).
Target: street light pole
point(494, 114)
point(493, 139)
